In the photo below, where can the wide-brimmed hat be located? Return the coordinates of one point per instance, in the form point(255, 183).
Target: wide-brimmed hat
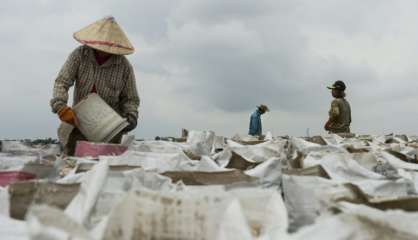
point(263, 108)
point(338, 85)
point(105, 35)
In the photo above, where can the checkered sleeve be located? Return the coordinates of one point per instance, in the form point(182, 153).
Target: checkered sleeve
point(129, 98)
point(65, 80)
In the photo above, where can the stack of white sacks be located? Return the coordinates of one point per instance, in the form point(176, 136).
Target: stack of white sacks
point(144, 204)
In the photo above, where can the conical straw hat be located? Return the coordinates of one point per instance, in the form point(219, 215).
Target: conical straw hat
point(105, 35)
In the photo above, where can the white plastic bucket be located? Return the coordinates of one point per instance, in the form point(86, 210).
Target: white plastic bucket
point(98, 121)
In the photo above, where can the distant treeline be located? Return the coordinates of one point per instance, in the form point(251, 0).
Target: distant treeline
point(38, 141)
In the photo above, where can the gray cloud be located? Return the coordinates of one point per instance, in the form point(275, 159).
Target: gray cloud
point(206, 64)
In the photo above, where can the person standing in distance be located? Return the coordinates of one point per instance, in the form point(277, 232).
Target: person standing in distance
point(256, 128)
point(340, 113)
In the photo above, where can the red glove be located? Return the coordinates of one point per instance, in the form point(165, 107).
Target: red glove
point(66, 114)
point(327, 125)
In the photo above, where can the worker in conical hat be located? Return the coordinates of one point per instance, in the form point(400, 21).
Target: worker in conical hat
point(256, 128)
point(98, 66)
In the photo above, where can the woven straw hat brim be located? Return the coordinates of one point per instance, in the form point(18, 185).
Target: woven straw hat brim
point(105, 35)
point(105, 46)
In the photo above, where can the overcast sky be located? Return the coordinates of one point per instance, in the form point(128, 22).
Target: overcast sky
point(206, 64)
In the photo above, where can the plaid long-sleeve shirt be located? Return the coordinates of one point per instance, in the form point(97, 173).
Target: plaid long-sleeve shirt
point(114, 81)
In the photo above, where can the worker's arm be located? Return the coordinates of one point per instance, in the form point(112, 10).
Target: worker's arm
point(334, 112)
point(129, 98)
point(65, 80)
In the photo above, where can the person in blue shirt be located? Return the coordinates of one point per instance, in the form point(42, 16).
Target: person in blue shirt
point(255, 120)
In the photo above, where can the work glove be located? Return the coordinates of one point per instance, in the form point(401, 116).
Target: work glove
point(132, 123)
point(66, 114)
point(327, 125)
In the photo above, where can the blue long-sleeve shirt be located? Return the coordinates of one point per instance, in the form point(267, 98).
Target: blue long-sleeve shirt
point(255, 124)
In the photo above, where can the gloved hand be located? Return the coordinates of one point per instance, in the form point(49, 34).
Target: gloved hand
point(327, 125)
point(66, 114)
point(132, 123)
